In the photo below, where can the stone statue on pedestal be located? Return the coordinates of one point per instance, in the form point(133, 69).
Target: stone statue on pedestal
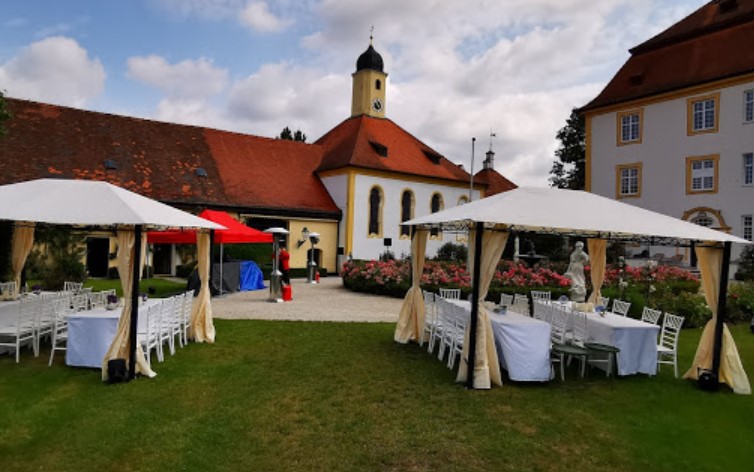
point(575, 272)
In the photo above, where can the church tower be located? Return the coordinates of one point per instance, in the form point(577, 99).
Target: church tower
point(369, 83)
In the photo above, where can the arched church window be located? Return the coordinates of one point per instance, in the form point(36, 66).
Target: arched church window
point(435, 205)
point(375, 212)
point(378, 84)
point(407, 211)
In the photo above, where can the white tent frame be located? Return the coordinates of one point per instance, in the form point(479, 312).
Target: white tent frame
point(89, 204)
point(551, 211)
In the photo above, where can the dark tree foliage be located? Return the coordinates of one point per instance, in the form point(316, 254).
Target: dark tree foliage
point(452, 252)
point(288, 135)
point(569, 170)
point(4, 114)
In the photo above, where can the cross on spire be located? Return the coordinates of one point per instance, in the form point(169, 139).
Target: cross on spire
point(371, 34)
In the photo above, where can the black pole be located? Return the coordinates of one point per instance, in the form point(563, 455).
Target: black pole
point(474, 304)
point(721, 302)
point(134, 303)
point(211, 259)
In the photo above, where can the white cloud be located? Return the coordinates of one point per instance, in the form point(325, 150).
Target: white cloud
point(457, 69)
point(56, 70)
point(257, 16)
point(185, 79)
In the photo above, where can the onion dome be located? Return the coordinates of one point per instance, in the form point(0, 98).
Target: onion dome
point(370, 59)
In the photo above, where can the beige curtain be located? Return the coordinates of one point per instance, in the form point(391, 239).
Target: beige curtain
point(201, 327)
point(23, 240)
point(731, 370)
point(119, 349)
point(410, 326)
point(486, 364)
point(597, 261)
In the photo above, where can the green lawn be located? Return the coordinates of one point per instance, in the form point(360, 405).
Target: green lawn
point(163, 288)
point(344, 397)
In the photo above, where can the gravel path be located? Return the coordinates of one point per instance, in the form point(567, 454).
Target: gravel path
point(326, 301)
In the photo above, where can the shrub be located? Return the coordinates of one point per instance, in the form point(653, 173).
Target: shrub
point(741, 301)
point(452, 252)
point(185, 270)
point(746, 264)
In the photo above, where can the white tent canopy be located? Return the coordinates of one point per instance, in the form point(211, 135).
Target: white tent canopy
point(578, 213)
point(90, 203)
point(99, 204)
point(548, 210)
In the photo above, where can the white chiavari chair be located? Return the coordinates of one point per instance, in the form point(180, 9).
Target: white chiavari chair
point(650, 315)
point(20, 331)
point(455, 349)
point(149, 338)
point(430, 316)
point(667, 349)
point(620, 307)
point(61, 308)
point(450, 293)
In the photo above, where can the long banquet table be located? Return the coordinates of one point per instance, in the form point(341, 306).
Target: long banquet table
point(522, 344)
point(636, 339)
point(90, 334)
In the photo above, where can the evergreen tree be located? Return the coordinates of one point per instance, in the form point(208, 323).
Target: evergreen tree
point(4, 114)
point(569, 170)
point(290, 136)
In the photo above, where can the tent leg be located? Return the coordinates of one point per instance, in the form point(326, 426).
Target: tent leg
point(221, 269)
point(474, 305)
point(721, 303)
point(134, 303)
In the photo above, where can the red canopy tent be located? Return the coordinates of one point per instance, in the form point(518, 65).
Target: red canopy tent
point(236, 232)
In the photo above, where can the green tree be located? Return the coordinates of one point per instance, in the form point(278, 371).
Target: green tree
point(569, 170)
point(4, 114)
point(288, 135)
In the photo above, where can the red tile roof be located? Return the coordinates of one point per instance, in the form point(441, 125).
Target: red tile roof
point(243, 172)
point(359, 142)
point(712, 43)
point(496, 183)
point(160, 160)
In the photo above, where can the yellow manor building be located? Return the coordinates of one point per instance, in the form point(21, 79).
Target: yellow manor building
point(353, 186)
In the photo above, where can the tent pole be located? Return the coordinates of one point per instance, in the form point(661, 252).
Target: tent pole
point(134, 303)
point(474, 304)
point(211, 247)
point(221, 269)
point(721, 302)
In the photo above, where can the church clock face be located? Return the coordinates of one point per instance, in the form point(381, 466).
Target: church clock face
point(377, 105)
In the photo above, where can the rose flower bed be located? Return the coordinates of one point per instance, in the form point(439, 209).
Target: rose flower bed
point(669, 289)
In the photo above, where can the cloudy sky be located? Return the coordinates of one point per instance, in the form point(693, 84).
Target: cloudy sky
point(457, 69)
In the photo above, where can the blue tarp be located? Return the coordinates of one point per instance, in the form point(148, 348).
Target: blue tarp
point(251, 276)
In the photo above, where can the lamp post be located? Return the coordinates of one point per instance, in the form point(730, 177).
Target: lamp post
point(314, 239)
point(471, 183)
point(276, 293)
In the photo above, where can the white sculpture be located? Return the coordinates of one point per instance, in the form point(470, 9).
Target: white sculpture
point(575, 272)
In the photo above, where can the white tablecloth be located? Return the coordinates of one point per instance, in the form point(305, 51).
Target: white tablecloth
point(90, 334)
point(522, 344)
point(636, 340)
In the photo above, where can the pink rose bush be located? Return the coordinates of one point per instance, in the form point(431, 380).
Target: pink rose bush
point(393, 277)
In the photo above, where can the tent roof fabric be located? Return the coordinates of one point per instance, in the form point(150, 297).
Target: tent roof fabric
point(235, 232)
point(90, 203)
point(549, 210)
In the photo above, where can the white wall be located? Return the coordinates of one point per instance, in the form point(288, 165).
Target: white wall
point(370, 248)
point(663, 151)
point(337, 186)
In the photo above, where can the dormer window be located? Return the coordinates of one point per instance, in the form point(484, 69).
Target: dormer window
point(432, 156)
point(201, 172)
point(110, 164)
point(379, 148)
